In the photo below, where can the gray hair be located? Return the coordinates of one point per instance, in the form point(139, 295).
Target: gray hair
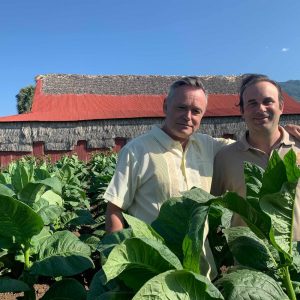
point(193, 81)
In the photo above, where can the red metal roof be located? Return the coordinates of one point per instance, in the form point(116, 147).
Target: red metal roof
point(79, 107)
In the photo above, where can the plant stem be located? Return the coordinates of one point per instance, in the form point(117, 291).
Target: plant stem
point(28, 295)
point(27, 256)
point(288, 284)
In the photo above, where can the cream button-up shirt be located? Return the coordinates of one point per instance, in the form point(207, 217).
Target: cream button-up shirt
point(153, 167)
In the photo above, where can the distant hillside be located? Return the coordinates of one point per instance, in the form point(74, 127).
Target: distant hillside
point(292, 87)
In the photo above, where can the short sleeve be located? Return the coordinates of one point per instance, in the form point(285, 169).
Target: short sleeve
point(122, 187)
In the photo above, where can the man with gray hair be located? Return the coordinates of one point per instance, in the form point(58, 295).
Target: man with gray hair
point(165, 161)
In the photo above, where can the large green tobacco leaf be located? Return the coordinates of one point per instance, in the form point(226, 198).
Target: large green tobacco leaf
point(79, 217)
point(280, 208)
point(244, 244)
point(66, 289)
point(6, 191)
point(49, 213)
point(18, 222)
point(142, 230)
point(54, 183)
point(274, 175)
point(38, 239)
point(257, 220)
point(109, 241)
point(248, 284)
point(296, 259)
point(280, 171)
point(52, 198)
point(219, 218)
point(41, 174)
point(31, 193)
point(141, 259)
point(12, 285)
point(291, 165)
point(193, 241)
point(253, 179)
point(278, 204)
point(91, 240)
point(66, 173)
point(62, 254)
point(198, 195)
point(173, 222)
point(178, 284)
point(5, 178)
point(21, 176)
point(111, 291)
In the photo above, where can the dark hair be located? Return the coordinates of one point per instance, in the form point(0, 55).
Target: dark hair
point(250, 79)
point(193, 81)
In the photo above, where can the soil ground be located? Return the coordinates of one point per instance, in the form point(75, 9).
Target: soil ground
point(40, 290)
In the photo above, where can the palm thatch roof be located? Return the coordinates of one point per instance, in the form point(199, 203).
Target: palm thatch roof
point(61, 94)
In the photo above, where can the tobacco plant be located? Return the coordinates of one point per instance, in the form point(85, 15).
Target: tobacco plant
point(30, 208)
point(164, 260)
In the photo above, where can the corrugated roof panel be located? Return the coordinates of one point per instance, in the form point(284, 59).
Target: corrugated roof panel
point(80, 107)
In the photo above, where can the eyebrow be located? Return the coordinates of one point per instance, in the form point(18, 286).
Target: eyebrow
point(254, 100)
point(251, 100)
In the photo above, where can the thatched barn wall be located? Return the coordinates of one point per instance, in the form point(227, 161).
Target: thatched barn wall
point(98, 134)
point(235, 126)
point(39, 132)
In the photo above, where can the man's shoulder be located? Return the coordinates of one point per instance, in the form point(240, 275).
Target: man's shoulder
point(215, 141)
point(140, 142)
point(229, 150)
point(202, 137)
point(295, 141)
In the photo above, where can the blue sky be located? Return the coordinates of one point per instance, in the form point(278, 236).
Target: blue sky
point(165, 37)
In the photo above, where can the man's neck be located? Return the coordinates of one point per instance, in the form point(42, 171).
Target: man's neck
point(182, 141)
point(264, 142)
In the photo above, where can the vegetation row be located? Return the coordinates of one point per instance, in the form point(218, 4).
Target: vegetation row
point(52, 230)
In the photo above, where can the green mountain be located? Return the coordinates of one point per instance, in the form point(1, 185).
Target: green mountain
point(292, 87)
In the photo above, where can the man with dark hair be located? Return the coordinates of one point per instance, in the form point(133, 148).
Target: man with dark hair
point(165, 161)
point(261, 105)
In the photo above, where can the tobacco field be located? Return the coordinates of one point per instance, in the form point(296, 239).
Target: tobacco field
point(52, 230)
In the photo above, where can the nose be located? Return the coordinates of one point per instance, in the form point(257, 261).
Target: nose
point(261, 107)
point(188, 115)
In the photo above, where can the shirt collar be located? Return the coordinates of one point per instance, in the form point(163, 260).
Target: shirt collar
point(165, 140)
point(285, 140)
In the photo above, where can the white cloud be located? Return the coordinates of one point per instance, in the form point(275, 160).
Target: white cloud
point(285, 49)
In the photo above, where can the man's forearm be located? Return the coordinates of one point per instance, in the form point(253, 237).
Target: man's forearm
point(293, 130)
point(114, 220)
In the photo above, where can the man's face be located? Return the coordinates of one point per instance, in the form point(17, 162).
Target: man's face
point(262, 108)
point(184, 112)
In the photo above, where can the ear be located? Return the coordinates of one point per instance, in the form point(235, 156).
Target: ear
point(281, 106)
point(242, 112)
point(165, 106)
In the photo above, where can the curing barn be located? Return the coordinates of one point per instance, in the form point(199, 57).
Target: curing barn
point(83, 114)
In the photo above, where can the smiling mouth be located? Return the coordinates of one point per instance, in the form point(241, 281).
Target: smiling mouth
point(261, 117)
point(185, 125)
